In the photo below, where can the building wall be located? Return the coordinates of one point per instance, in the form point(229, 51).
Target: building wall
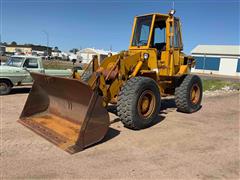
point(40, 53)
point(14, 49)
point(228, 66)
point(88, 56)
point(213, 64)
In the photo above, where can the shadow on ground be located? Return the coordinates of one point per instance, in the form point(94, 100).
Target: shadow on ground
point(168, 103)
point(20, 90)
point(112, 133)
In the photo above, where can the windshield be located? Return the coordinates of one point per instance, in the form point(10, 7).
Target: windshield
point(141, 31)
point(15, 61)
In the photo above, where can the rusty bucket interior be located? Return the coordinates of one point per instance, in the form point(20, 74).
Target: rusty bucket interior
point(66, 112)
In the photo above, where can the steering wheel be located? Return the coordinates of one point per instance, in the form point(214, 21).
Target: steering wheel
point(142, 42)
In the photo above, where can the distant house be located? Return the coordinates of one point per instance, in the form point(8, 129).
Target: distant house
point(56, 53)
point(18, 49)
point(87, 54)
point(28, 49)
point(217, 59)
point(38, 53)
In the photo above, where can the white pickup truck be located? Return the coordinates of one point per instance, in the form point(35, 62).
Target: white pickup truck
point(16, 72)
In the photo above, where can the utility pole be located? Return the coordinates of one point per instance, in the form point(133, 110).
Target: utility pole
point(47, 35)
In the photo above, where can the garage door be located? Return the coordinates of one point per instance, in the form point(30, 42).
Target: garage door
point(207, 63)
point(228, 66)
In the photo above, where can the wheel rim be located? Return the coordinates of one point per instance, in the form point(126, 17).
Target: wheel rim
point(3, 87)
point(146, 104)
point(195, 94)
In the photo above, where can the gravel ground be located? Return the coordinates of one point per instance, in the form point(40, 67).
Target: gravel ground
point(202, 145)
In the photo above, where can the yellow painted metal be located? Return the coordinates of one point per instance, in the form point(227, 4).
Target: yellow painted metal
point(183, 70)
point(76, 75)
point(151, 30)
point(137, 68)
point(133, 28)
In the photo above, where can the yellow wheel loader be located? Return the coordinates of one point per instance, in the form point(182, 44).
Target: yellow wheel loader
point(71, 112)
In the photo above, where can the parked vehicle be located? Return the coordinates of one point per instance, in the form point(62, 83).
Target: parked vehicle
point(16, 72)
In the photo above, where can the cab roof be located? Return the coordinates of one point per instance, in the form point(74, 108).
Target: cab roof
point(158, 14)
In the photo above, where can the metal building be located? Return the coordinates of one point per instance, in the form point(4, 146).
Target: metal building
point(217, 59)
point(88, 53)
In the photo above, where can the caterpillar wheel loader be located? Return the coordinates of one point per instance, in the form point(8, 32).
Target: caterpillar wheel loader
point(71, 112)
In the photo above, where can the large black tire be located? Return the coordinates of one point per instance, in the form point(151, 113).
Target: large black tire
point(5, 87)
point(186, 100)
point(130, 105)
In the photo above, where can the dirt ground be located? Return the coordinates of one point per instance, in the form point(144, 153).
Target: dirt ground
point(203, 145)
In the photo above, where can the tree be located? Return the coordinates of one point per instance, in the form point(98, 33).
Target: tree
point(13, 43)
point(74, 50)
point(56, 49)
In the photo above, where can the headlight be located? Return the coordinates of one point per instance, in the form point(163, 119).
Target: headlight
point(172, 12)
point(145, 56)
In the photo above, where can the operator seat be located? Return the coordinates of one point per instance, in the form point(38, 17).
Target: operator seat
point(160, 47)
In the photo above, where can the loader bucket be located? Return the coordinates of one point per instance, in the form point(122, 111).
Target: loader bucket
point(66, 112)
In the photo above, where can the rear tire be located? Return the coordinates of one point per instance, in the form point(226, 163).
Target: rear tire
point(139, 103)
point(5, 87)
point(188, 95)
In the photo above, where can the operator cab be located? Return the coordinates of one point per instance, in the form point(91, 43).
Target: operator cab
point(150, 31)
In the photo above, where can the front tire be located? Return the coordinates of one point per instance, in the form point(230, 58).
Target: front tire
point(5, 87)
point(139, 103)
point(188, 95)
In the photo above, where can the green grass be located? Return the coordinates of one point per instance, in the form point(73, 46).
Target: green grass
point(212, 85)
point(53, 64)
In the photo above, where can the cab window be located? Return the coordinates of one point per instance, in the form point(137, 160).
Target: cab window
point(159, 35)
point(31, 63)
point(142, 31)
point(15, 61)
point(176, 34)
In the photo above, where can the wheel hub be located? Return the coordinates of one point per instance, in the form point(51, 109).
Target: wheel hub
point(3, 87)
point(195, 94)
point(146, 104)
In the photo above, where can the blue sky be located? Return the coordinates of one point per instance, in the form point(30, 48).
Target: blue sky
point(105, 23)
